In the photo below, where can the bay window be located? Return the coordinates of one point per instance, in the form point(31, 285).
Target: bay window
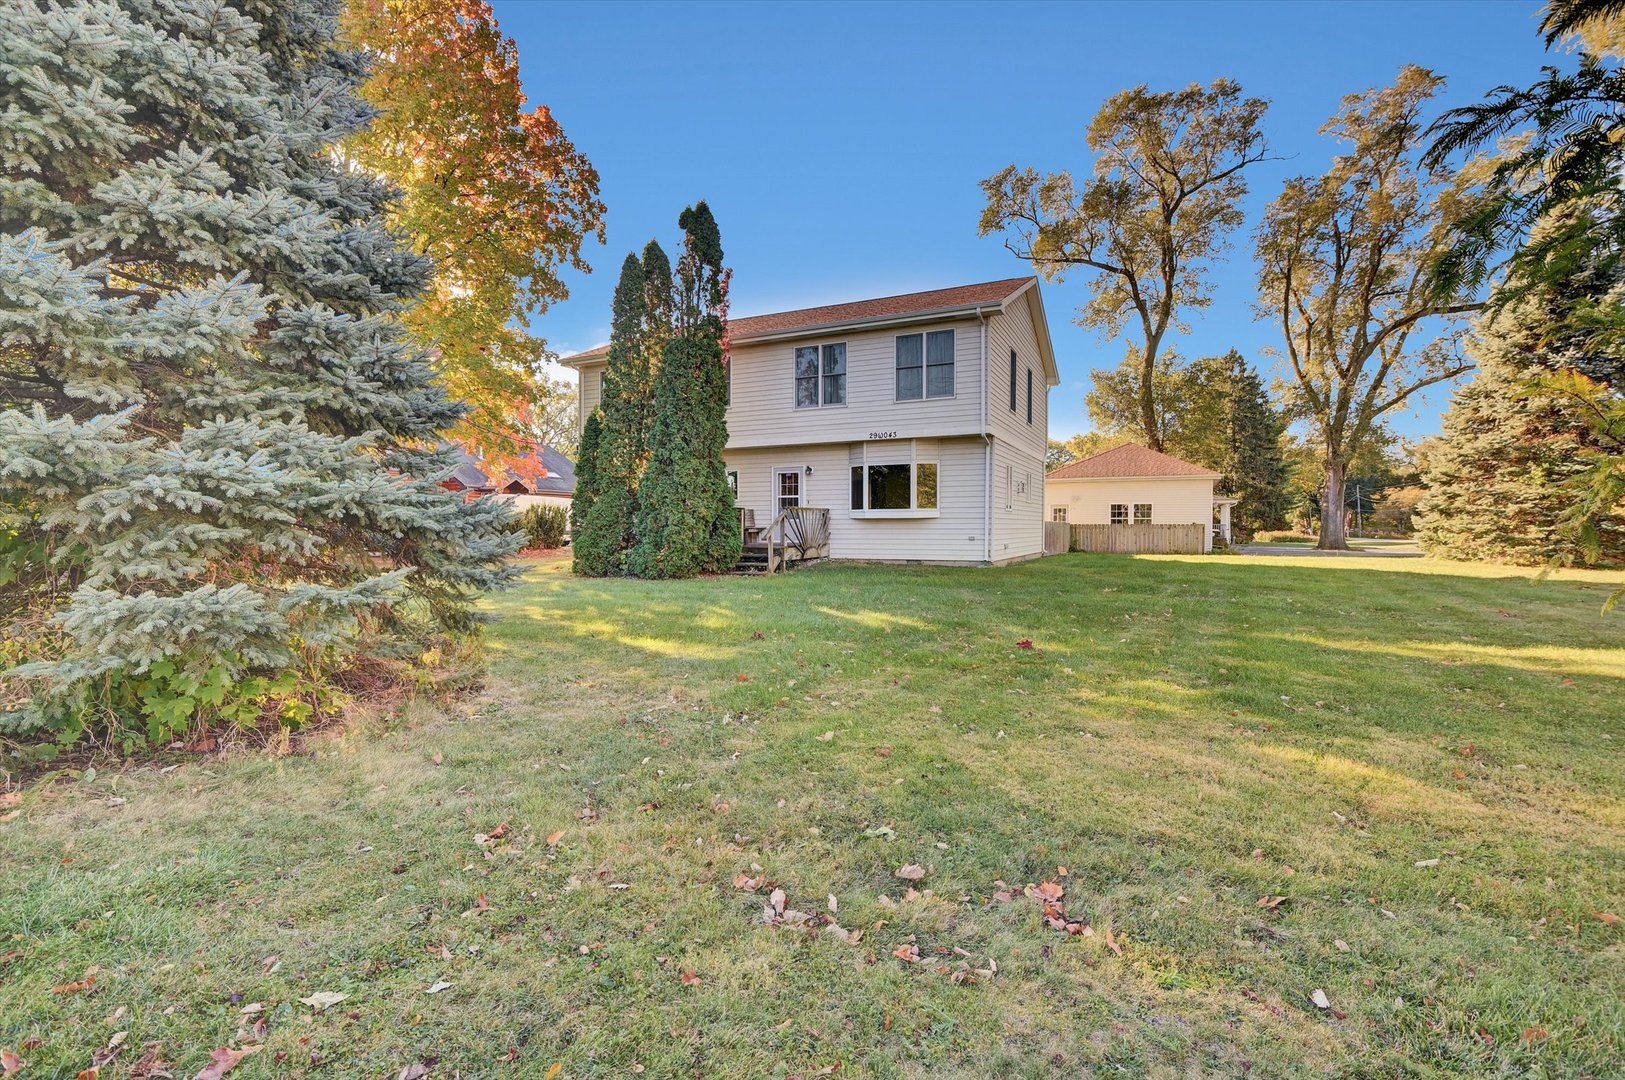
point(900, 488)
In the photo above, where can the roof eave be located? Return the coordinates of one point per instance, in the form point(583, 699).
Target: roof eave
point(1143, 476)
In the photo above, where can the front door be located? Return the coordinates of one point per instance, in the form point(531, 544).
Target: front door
point(787, 488)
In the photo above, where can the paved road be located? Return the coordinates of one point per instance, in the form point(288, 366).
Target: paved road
point(1396, 552)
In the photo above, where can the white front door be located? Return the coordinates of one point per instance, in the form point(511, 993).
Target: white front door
point(786, 489)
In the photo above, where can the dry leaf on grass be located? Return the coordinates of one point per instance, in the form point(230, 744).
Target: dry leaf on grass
point(10, 1063)
point(1271, 902)
point(690, 977)
point(222, 1060)
point(322, 1000)
point(1608, 918)
point(911, 872)
point(907, 953)
point(1535, 1034)
point(554, 837)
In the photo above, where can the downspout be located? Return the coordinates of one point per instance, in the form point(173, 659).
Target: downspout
point(987, 456)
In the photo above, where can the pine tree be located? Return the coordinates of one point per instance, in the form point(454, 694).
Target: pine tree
point(214, 441)
point(1254, 466)
point(639, 329)
point(686, 522)
point(1499, 481)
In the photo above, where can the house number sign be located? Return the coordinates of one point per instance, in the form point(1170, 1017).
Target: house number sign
point(882, 434)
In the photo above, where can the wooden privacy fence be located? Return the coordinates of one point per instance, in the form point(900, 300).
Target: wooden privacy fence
point(1138, 539)
point(1057, 538)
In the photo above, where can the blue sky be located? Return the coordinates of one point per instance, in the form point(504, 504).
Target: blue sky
point(840, 145)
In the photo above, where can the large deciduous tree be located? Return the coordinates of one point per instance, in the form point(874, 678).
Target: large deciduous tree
point(1166, 188)
point(1343, 268)
point(217, 470)
point(492, 190)
point(686, 519)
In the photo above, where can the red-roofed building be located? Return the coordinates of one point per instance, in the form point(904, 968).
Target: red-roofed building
point(1135, 485)
point(918, 421)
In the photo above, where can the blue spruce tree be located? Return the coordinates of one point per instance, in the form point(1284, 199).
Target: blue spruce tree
point(217, 452)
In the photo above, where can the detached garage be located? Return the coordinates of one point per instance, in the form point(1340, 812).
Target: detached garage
point(1135, 499)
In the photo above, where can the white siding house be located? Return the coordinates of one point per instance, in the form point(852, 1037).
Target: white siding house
point(897, 415)
point(1135, 485)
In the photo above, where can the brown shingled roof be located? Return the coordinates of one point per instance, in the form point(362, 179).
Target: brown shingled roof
point(881, 308)
point(1129, 460)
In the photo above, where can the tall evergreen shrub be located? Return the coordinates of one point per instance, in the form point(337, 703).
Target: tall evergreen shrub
point(686, 520)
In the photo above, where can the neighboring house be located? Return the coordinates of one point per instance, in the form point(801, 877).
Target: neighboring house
point(919, 421)
point(543, 478)
point(1135, 485)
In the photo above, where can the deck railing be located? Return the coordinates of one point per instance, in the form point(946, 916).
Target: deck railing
point(798, 534)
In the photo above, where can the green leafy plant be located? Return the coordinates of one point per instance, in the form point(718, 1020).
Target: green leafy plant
point(544, 526)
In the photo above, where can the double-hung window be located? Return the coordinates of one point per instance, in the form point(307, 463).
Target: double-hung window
point(1119, 513)
point(820, 375)
point(925, 365)
point(1142, 513)
point(1058, 514)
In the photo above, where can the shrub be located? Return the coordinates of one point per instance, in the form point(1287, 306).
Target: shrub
point(544, 525)
point(1282, 536)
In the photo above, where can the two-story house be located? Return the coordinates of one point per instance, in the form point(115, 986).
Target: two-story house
point(920, 421)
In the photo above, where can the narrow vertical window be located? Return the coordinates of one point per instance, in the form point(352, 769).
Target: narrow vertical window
point(925, 486)
point(807, 377)
point(939, 363)
point(835, 374)
point(857, 487)
point(1009, 485)
point(1012, 380)
point(1029, 395)
point(910, 367)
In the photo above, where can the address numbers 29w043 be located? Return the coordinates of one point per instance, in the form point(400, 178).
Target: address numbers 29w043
point(882, 434)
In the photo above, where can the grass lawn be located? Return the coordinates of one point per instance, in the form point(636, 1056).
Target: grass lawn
point(1423, 759)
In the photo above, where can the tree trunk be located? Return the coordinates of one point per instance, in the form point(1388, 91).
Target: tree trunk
point(1333, 525)
point(1148, 400)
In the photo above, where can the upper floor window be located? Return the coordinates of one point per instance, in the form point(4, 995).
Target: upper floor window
point(925, 365)
point(1012, 380)
point(820, 375)
point(1029, 395)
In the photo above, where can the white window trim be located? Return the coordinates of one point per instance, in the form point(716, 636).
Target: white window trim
point(925, 368)
point(1058, 514)
point(847, 375)
point(913, 460)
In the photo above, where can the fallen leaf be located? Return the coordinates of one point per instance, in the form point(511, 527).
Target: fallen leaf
point(222, 1060)
point(911, 872)
point(1024, 643)
point(1342, 946)
point(747, 883)
point(1608, 918)
point(415, 1071)
point(1422, 864)
point(907, 953)
point(323, 1000)
point(1534, 1034)
point(826, 736)
point(1271, 902)
point(742, 677)
point(93, 1073)
point(554, 838)
point(1049, 890)
point(75, 987)
point(1111, 942)
point(690, 977)
point(10, 1063)
point(437, 987)
point(1320, 999)
point(553, 1070)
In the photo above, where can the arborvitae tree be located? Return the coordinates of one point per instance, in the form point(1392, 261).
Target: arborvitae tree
point(686, 521)
point(1254, 466)
point(639, 330)
point(1498, 481)
point(215, 445)
point(586, 474)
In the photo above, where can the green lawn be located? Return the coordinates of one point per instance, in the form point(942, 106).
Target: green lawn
point(1425, 760)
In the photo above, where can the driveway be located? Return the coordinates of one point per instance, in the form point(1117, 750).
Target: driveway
point(1362, 549)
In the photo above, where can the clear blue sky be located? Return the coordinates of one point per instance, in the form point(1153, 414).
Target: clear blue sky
point(840, 145)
